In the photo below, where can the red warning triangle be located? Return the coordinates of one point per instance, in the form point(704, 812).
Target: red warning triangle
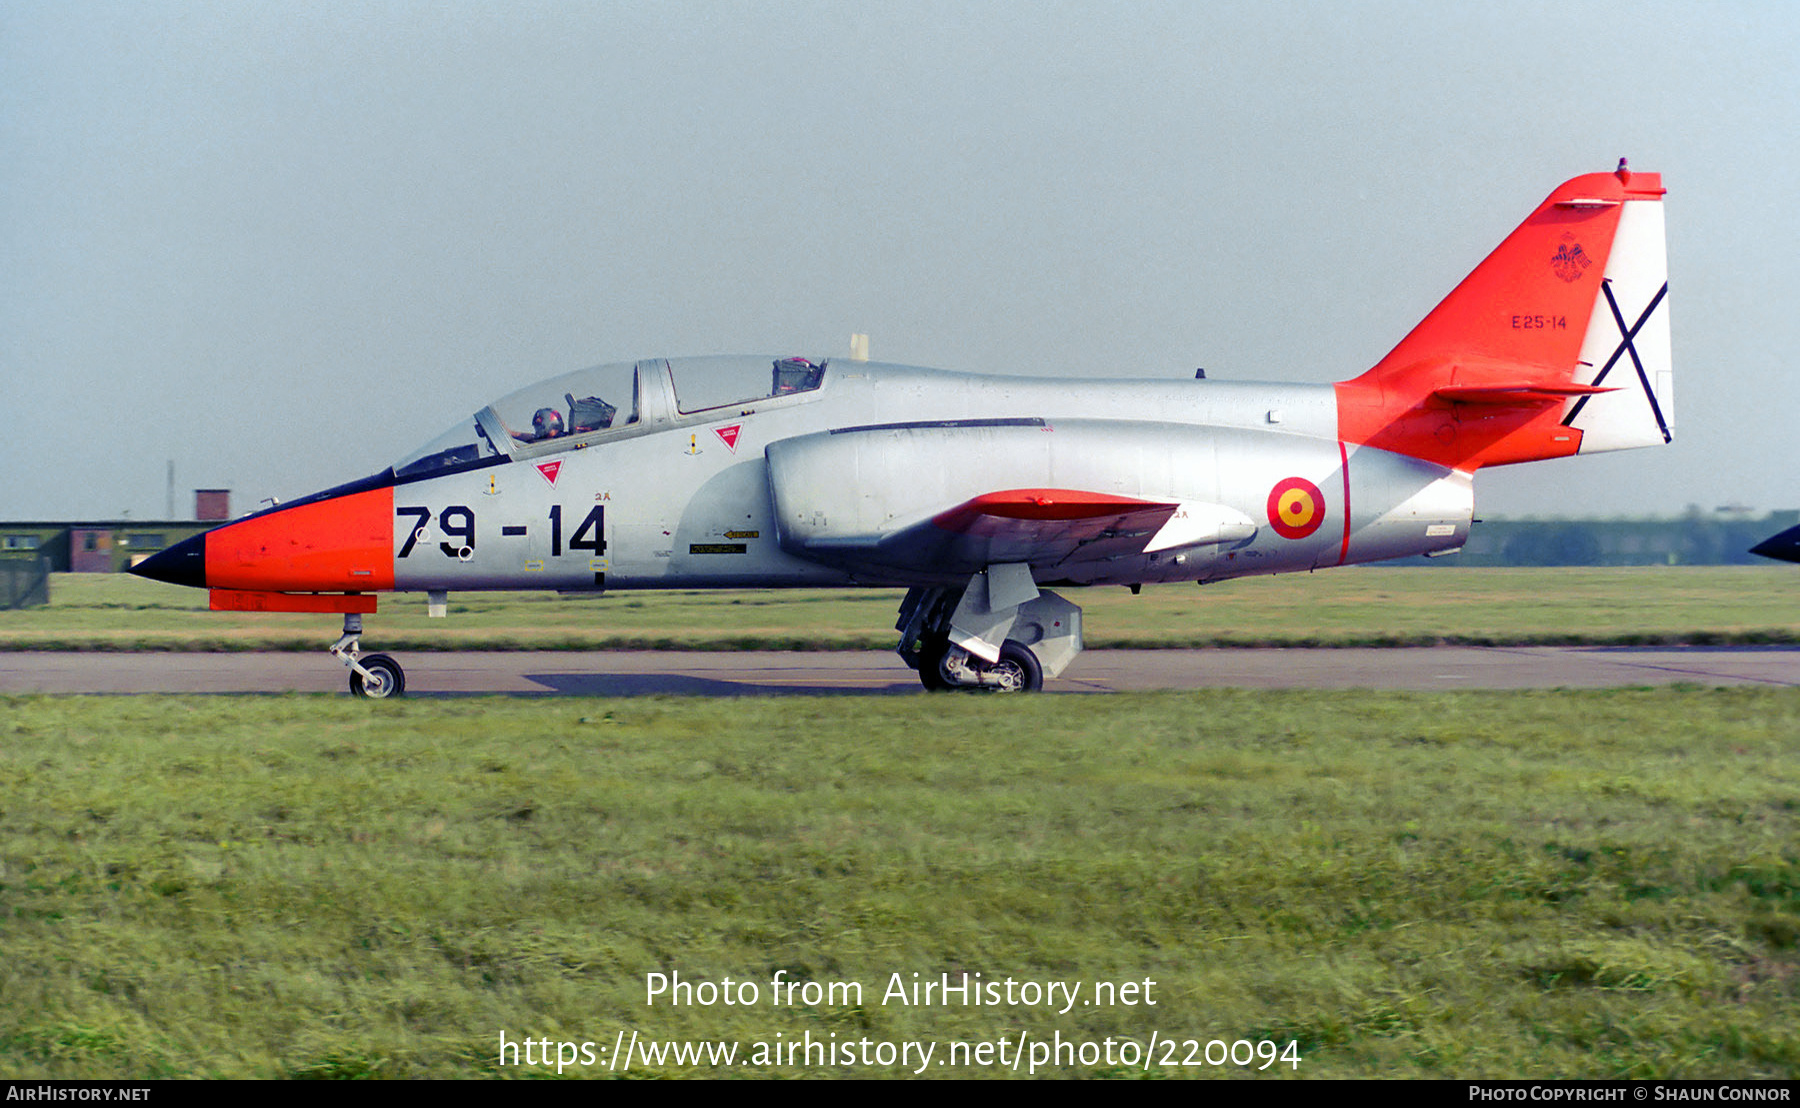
point(729, 435)
point(550, 470)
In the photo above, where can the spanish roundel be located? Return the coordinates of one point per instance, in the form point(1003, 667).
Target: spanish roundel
point(1296, 508)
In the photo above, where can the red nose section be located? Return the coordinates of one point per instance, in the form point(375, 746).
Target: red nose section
point(344, 544)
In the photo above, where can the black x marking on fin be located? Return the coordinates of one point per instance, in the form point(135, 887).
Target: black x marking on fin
point(1627, 340)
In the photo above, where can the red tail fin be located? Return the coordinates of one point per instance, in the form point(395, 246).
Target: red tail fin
point(1496, 373)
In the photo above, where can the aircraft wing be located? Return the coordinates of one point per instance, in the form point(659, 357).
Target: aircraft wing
point(1039, 526)
point(1046, 528)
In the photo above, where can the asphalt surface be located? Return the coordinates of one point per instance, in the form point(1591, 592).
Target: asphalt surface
point(645, 673)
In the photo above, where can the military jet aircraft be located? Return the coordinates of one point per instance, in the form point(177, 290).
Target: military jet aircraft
point(976, 493)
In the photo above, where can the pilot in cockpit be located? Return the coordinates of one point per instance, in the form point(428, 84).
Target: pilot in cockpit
point(546, 423)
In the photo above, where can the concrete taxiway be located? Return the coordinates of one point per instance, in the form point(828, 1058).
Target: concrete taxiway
point(642, 673)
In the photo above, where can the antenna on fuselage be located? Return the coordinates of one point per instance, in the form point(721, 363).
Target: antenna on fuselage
point(859, 348)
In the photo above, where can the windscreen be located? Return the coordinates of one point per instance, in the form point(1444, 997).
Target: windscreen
point(583, 403)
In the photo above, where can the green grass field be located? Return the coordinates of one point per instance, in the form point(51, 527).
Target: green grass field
point(1348, 607)
point(1552, 884)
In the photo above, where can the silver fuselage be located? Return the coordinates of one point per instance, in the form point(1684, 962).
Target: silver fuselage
point(800, 489)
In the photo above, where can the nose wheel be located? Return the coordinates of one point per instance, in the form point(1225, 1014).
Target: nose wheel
point(376, 676)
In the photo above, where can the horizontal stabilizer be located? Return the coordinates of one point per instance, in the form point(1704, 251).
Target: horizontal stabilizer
point(1513, 395)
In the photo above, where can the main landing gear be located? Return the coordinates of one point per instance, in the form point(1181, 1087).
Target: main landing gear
point(944, 667)
point(376, 676)
point(998, 633)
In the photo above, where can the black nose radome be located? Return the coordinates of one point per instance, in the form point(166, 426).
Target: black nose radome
point(181, 564)
point(1785, 546)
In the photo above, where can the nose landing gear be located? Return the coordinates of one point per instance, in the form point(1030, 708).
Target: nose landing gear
point(376, 676)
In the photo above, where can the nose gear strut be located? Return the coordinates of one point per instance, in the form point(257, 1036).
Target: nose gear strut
point(376, 676)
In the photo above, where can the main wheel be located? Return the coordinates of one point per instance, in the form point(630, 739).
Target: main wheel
point(386, 678)
point(1018, 669)
point(931, 663)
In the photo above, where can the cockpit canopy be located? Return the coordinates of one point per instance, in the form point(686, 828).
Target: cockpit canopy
point(595, 404)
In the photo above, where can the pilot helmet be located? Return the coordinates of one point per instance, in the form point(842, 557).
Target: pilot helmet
point(547, 421)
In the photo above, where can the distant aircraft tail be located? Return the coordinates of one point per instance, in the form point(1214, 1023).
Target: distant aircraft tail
point(1557, 344)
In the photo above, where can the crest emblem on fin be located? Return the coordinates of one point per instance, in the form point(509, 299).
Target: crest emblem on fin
point(1569, 262)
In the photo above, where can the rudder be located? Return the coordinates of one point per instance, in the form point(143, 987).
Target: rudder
point(1627, 343)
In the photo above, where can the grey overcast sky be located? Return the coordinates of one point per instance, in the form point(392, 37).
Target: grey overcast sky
point(283, 243)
